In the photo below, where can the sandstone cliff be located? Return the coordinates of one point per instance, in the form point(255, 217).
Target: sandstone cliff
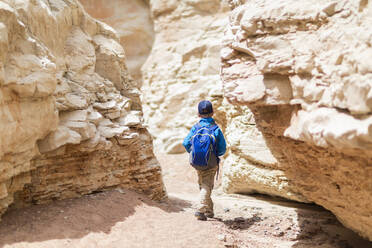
point(303, 68)
point(71, 119)
point(183, 67)
point(250, 166)
point(132, 22)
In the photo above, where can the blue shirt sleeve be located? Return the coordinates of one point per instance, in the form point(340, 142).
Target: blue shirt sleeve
point(187, 141)
point(221, 142)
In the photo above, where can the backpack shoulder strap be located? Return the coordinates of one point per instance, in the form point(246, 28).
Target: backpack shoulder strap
point(210, 128)
point(213, 127)
point(197, 126)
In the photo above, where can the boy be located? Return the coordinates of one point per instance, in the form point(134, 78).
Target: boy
point(206, 177)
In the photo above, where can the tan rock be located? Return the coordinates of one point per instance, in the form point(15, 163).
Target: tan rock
point(315, 113)
point(64, 86)
point(183, 68)
point(132, 21)
point(58, 138)
point(243, 177)
point(132, 119)
point(250, 166)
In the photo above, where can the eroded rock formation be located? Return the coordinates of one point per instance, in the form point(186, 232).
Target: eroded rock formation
point(183, 67)
point(71, 119)
point(250, 166)
point(303, 68)
point(131, 19)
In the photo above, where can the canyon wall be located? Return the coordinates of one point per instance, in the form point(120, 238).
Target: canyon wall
point(303, 69)
point(295, 103)
point(183, 68)
point(132, 22)
point(71, 118)
point(249, 166)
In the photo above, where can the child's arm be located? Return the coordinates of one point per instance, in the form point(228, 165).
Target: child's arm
point(221, 143)
point(187, 141)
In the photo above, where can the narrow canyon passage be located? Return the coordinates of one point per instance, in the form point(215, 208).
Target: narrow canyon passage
point(121, 218)
point(84, 101)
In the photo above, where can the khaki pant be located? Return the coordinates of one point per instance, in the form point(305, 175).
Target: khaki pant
point(206, 183)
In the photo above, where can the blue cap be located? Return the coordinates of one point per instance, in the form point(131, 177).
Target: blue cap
point(205, 107)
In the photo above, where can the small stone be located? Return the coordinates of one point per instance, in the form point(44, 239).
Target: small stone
point(279, 234)
point(221, 237)
point(105, 106)
point(121, 191)
point(239, 219)
point(227, 53)
point(330, 8)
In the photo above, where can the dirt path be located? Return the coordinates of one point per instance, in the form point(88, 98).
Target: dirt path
point(122, 218)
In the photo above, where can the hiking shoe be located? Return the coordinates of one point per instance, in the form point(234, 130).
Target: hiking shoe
point(209, 215)
point(200, 216)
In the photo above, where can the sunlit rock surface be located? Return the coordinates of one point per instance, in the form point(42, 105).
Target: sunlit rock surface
point(71, 119)
point(303, 68)
point(132, 22)
point(183, 68)
point(250, 166)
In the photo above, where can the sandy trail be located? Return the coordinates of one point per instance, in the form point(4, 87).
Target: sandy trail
point(122, 218)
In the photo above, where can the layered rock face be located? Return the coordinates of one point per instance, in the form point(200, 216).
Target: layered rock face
point(131, 19)
point(250, 166)
point(303, 70)
point(183, 67)
point(71, 119)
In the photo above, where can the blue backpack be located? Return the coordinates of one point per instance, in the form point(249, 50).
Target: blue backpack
point(203, 153)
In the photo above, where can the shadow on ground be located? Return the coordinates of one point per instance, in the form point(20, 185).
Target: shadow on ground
point(302, 164)
point(241, 223)
point(264, 221)
point(76, 218)
point(321, 227)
